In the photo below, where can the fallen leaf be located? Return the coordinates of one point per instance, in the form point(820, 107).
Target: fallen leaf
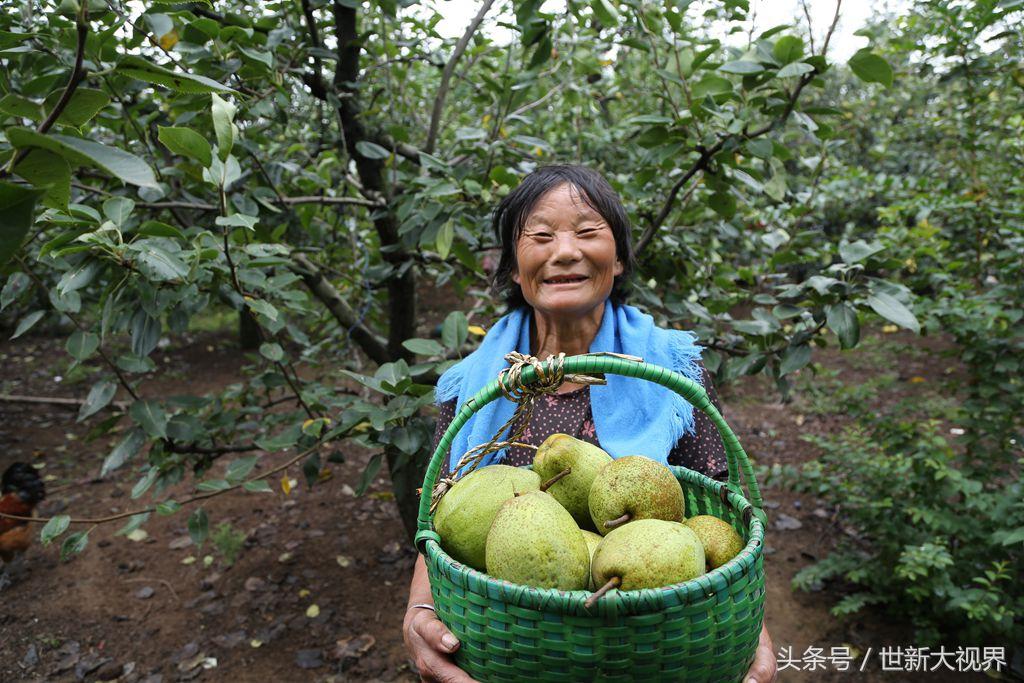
point(287, 484)
point(917, 379)
point(189, 560)
point(284, 557)
point(255, 643)
point(313, 611)
point(477, 330)
point(137, 535)
point(303, 593)
point(889, 329)
point(343, 561)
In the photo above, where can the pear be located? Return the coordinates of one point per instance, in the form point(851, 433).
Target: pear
point(592, 542)
point(631, 488)
point(561, 452)
point(534, 541)
point(721, 542)
point(465, 513)
point(647, 553)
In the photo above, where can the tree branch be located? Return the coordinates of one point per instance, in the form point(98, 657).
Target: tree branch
point(287, 201)
point(371, 344)
point(77, 75)
point(449, 68)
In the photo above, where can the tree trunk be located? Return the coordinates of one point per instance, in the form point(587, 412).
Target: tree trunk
point(249, 336)
point(406, 476)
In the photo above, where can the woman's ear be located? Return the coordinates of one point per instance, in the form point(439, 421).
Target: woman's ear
point(618, 267)
point(515, 277)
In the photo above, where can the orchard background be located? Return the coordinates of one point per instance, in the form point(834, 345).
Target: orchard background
point(239, 243)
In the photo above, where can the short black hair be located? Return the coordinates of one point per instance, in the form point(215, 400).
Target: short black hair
point(513, 210)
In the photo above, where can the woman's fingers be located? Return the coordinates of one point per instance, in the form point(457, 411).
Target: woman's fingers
point(764, 669)
point(436, 634)
point(432, 644)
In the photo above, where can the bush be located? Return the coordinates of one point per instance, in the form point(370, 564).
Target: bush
point(925, 535)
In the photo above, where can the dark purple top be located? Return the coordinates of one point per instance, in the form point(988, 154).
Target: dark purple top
point(569, 413)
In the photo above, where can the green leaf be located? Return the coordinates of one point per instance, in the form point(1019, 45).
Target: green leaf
point(795, 69)
point(186, 142)
point(145, 331)
point(237, 220)
point(424, 347)
point(262, 307)
point(98, 398)
point(142, 485)
point(271, 351)
point(21, 107)
point(240, 469)
point(871, 68)
point(159, 229)
point(198, 526)
point(223, 125)
point(54, 528)
point(788, 49)
point(854, 252)
point(258, 486)
point(16, 285)
point(213, 485)
point(168, 507)
point(151, 416)
point(117, 162)
point(74, 544)
point(794, 358)
point(370, 473)
point(741, 67)
point(26, 323)
point(606, 13)
point(371, 150)
point(84, 104)
point(1016, 536)
point(81, 344)
point(455, 330)
point(118, 209)
point(444, 239)
point(17, 213)
point(723, 203)
point(156, 263)
point(893, 310)
point(842, 319)
point(49, 172)
point(133, 523)
point(143, 70)
point(760, 148)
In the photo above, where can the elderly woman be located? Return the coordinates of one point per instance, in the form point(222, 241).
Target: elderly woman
point(565, 263)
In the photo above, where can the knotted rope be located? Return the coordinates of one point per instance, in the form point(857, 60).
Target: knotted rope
point(550, 376)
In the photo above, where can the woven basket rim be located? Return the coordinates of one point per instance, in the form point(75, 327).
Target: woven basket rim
point(643, 601)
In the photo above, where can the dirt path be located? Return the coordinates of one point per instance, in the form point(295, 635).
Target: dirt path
point(319, 586)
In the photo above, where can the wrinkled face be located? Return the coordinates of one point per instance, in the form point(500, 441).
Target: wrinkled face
point(565, 255)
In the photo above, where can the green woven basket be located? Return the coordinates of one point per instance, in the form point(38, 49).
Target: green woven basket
point(705, 629)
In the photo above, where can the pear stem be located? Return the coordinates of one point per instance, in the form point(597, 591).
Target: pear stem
point(564, 473)
point(618, 521)
point(613, 582)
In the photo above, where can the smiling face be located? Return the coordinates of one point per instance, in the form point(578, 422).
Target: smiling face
point(565, 255)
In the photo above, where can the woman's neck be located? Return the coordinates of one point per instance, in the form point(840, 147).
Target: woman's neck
point(551, 335)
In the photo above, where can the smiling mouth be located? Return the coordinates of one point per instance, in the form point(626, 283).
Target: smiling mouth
point(570, 280)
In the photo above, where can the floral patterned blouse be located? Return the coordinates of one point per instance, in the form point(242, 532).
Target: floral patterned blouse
point(569, 413)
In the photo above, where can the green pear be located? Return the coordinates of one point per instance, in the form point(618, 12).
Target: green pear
point(647, 553)
point(592, 542)
point(631, 488)
point(534, 541)
point(721, 542)
point(561, 452)
point(465, 513)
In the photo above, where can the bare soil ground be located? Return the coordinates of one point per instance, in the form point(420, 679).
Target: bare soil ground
point(319, 587)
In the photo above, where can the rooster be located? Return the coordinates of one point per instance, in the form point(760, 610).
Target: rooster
point(21, 490)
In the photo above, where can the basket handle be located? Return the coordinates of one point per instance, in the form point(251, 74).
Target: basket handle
point(590, 364)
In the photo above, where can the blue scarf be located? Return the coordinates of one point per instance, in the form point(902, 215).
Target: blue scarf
point(631, 416)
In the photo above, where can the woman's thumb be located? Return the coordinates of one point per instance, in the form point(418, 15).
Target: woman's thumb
point(441, 638)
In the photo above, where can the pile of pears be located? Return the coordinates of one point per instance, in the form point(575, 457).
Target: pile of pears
point(580, 520)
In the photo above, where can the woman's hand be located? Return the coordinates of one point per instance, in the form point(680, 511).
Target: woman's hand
point(430, 643)
point(764, 669)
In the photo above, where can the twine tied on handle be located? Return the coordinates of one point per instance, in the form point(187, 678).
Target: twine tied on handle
point(550, 376)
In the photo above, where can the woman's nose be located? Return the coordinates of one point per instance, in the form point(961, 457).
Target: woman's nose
point(566, 247)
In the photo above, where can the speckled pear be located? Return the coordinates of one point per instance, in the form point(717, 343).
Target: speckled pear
point(631, 488)
point(648, 553)
point(534, 541)
point(721, 542)
point(561, 452)
point(593, 540)
point(465, 513)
